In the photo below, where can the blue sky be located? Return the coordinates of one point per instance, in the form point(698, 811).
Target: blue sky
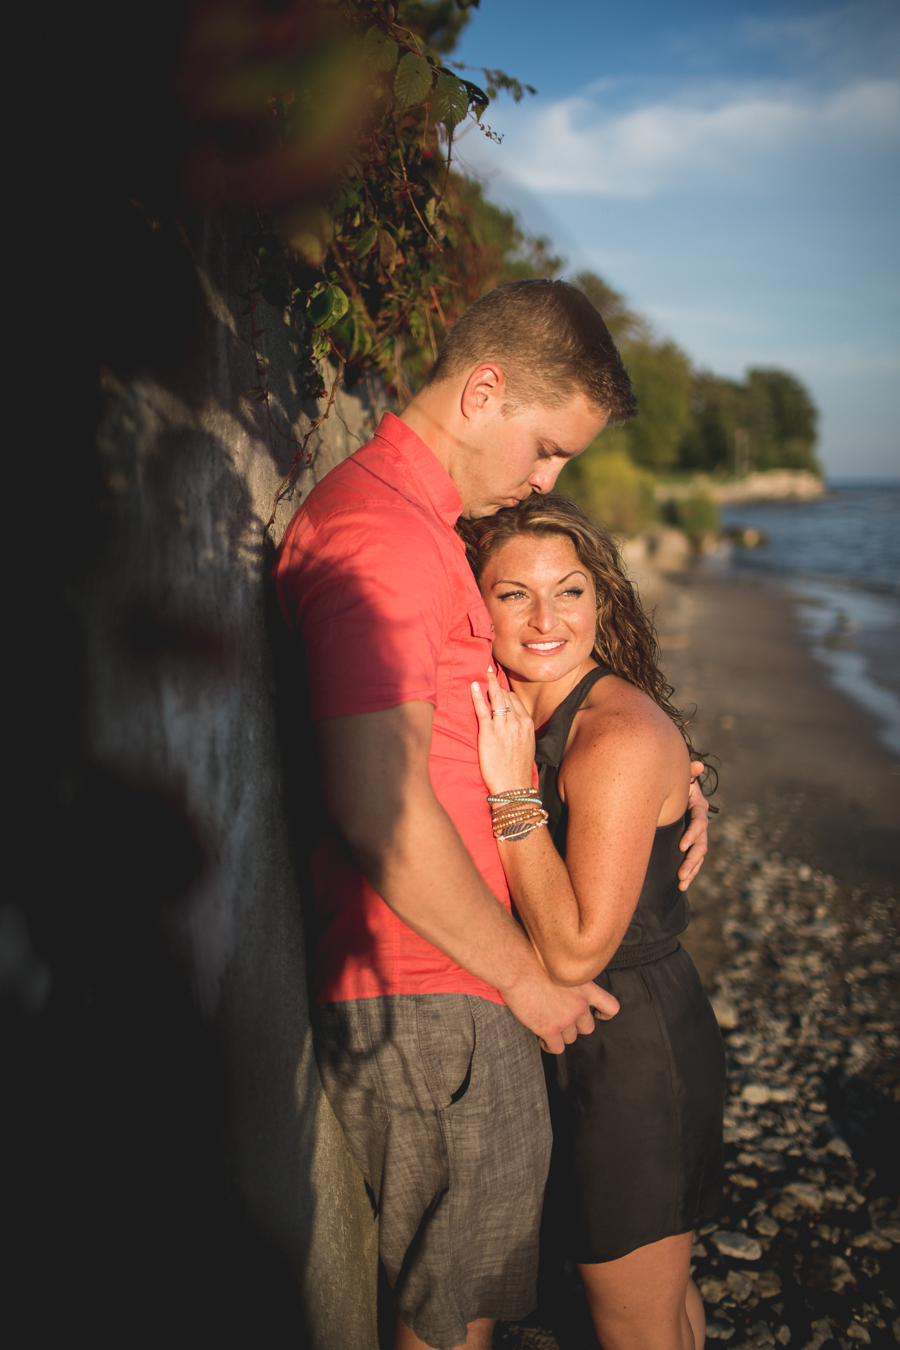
point(734, 168)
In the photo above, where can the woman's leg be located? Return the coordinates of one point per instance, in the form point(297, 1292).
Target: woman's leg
point(647, 1300)
point(696, 1314)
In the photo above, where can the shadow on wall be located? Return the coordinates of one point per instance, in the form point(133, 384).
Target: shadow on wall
point(173, 1174)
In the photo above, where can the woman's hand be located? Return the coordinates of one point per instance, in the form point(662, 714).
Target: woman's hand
point(505, 738)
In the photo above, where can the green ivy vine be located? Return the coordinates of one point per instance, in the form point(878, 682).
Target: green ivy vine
point(372, 273)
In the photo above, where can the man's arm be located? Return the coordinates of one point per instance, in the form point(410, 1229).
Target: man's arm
point(379, 794)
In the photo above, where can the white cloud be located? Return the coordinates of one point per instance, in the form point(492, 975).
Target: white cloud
point(861, 36)
point(574, 145)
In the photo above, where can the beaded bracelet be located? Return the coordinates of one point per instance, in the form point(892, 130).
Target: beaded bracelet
point(523, 809)
point(519, 829)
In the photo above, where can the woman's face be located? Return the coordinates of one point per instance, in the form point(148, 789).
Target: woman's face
point(543, 606)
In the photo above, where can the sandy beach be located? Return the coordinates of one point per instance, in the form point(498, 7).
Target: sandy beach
point(795, 934)
point(799, 752)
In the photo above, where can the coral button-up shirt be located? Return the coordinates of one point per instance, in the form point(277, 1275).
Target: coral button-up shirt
point(373, 577)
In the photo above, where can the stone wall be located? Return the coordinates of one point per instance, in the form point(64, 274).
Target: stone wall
point(180, 705)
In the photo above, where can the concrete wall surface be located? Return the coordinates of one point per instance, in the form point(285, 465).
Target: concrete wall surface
point(181, 705)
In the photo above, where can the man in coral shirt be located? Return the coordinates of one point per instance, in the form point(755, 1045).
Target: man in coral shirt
point(430, 1000)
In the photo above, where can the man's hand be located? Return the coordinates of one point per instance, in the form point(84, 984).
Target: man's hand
point(556, 1013)
point(695, 840)
point(378, 791)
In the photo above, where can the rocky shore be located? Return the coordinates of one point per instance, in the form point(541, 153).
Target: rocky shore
point(795, 935)
point(807, 1248)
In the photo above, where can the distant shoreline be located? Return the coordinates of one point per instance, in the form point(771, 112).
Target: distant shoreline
point(770, 485)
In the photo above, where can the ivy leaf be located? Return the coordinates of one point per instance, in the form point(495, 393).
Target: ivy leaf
point(450, 102)
point(412, 81)
point(478, 97)
point(353, 336)
point(320, 346)
point(327, 307)
point(381, 50)
point(387, 251)
point(366, 243)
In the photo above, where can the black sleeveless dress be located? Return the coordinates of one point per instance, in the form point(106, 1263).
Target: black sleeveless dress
point(637, 1105)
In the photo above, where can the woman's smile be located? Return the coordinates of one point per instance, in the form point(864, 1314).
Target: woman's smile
point(545, 648)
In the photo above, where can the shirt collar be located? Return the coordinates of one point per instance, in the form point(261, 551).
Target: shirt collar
point(427, 480)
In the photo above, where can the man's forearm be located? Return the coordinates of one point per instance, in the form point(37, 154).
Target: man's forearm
point(425, 874)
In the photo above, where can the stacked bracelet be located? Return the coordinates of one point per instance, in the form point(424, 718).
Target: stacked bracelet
point(514, 793)
point(516, 813)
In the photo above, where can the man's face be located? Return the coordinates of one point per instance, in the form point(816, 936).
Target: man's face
point(509, 458)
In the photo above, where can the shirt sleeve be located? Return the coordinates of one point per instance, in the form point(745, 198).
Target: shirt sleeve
point(371, 601)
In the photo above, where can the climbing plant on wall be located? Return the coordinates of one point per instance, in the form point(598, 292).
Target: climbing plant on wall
point(329, 131)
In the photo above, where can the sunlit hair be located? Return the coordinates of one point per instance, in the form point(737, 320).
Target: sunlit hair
point(549, 341)
point(625, 640)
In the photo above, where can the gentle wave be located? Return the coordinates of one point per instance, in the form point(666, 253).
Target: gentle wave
point(840, 556)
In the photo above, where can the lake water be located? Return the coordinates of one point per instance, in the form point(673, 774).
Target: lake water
point(840, 557)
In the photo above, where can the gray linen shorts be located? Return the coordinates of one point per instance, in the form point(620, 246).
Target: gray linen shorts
point(442, 1101)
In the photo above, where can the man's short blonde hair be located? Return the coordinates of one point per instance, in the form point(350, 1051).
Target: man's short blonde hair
point(549, 341)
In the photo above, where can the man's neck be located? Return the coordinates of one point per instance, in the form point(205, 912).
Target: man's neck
point(430, 416)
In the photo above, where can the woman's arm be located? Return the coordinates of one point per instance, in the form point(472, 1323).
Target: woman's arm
point(625, 763)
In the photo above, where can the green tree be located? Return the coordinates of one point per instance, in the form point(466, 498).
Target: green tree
point(661, 375)
point(624, 324)
point(718, 411)
point(660, 372)
point(438, 22)
point(610, 487)
point(781, 421)
point(495, 248)
point(767, 422)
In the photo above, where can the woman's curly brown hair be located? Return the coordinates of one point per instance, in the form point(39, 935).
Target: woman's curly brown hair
point(625, 639)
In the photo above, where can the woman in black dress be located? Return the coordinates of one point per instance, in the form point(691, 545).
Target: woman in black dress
point(637, 1105)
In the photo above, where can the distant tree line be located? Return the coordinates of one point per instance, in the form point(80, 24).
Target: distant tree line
point(694, 420)
point(689, 421)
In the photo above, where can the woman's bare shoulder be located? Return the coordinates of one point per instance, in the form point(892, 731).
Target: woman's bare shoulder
point(616, 715)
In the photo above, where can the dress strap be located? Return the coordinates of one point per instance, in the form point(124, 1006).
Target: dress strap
point(551, 745)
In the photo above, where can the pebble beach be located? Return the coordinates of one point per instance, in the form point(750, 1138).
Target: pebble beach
point(796, 915)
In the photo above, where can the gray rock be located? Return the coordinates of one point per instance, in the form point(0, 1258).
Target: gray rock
point(821, 1332)
point(806, 1194)
point(712, 1291)
point(738, 1245)
point(726, 1012)
point(740, 1284)
point(839, 1274)
point(768, 1285)
point(878, 1242)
